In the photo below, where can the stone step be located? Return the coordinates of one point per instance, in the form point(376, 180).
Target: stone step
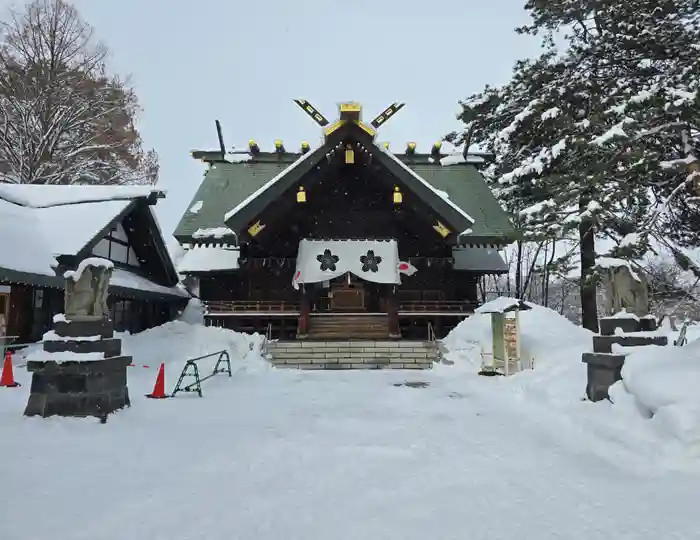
point(332, 366)
point(360, 344)
point(408, 356)
point(340, 326)
point(349, 333)
point(366, 354)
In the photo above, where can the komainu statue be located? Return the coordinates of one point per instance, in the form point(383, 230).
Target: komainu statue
point(625, 289)
point(86, 291)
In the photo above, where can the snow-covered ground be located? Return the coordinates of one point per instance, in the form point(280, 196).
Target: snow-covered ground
point(269, 454)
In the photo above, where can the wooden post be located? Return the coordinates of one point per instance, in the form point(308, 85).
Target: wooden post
point(305, 308)
point(393, 312)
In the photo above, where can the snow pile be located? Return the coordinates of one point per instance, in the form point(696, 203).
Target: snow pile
point(177, 341)
point(552, 340)
point(172, 343)
point(664, 382)
point(193, 312)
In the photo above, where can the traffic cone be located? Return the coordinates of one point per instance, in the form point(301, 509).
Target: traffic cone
point(8, 378)
point(159, 387)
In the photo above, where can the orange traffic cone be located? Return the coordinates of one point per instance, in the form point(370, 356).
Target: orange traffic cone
point(159, 387)
point(8, 378)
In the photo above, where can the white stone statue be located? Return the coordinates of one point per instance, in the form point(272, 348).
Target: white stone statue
point(86, 290)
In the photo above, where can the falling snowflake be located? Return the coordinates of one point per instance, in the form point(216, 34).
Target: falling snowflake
point(327, 260)
point(370, 262)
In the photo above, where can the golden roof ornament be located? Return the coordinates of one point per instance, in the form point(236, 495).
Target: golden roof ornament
point(349, 112)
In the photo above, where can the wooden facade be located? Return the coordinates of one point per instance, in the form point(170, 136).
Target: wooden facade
point(349, 189)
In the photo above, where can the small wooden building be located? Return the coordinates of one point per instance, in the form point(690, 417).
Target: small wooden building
point(48, 229)
point(348, 239)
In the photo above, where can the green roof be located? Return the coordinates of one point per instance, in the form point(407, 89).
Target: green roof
point(467, 188)
point(225, 185)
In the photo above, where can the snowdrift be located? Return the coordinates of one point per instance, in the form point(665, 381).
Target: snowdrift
point(175, 342)
point(663, 383)
point(546, 336)
point(178, 341)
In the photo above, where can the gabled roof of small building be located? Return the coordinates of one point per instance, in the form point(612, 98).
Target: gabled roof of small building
point(46, 229)
point(229, 186)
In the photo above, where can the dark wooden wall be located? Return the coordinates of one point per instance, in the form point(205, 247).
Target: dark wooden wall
point(32, 310)
point(348, 202)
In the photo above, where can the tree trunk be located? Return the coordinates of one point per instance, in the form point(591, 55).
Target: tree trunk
point(519, 271)
point(589, 305)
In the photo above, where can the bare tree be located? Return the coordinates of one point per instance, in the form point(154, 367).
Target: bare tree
point(63, 119)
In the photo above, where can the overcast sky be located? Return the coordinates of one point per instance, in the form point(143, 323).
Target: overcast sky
point(194, 61)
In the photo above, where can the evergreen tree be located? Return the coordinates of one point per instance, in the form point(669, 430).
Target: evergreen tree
point(588, 139)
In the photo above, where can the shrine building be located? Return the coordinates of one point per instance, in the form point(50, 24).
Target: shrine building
point(347, 240)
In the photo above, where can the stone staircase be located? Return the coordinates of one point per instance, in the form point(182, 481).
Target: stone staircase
point(348, 327)
point(353, 354)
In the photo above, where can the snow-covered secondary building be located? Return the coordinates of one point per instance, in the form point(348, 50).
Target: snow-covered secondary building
point(48, 229)
point(348, 239)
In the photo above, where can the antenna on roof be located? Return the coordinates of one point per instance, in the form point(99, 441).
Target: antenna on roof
point(390, 111)
point(312, 112)
point(221, 139)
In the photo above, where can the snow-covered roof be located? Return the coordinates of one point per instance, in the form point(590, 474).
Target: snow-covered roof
point(39, 223)
point(502, 304)
point(124, 278)
point(266, 186)
point(31, 238)
point(208, 259)
point(68, 228)
point(23, 245)
point(425, 183)
point(40, 195)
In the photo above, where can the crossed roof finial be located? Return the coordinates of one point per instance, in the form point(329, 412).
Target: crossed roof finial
point(349, 112)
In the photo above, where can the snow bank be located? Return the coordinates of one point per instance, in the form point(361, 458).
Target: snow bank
point(545, 335)
point(664, 382)
point(177, 341)
point(174, 343)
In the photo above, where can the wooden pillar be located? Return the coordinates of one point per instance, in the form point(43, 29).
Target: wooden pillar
point(393, 312)
point(305, 309)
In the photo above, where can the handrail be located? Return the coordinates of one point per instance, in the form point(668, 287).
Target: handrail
point(431, 332)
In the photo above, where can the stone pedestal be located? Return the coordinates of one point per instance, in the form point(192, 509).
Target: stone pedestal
point(604, 366)
point(81, 371)
point(80, 388)
point(603, 371)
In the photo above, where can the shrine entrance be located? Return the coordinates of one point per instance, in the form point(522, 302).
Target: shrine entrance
point(347, 288)
point(349, 294)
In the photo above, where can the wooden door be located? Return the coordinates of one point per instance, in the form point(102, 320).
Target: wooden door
point(348, 296)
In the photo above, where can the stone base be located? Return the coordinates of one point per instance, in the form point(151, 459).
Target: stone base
point(608, 325)
point(111, 347)
point(78, 389)
point(603, 344)
point(603, 371)
point(101, 326)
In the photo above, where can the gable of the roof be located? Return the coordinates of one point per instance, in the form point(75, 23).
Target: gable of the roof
point(450, 216)
point(227, 185)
